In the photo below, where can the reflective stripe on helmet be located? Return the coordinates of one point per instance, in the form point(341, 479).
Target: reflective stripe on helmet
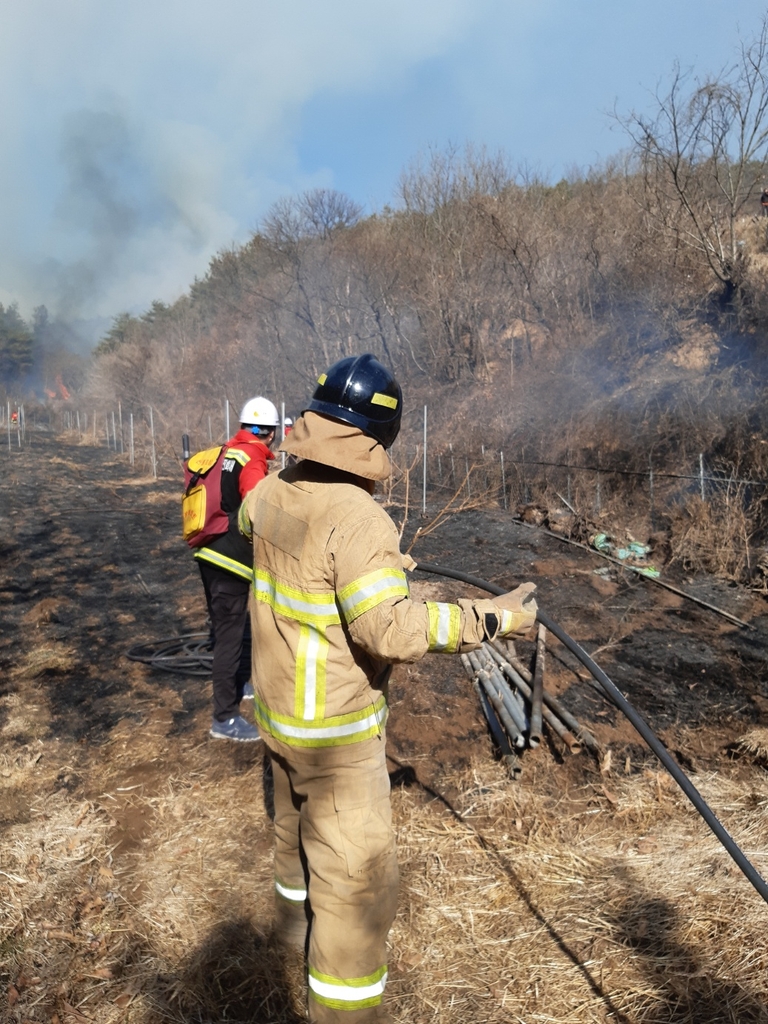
point(388, 400)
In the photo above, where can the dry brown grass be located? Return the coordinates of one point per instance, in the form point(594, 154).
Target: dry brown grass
point(56, 460)
point(715, 535)
point(755, 743)
point(532, 910)
point(52, 658)
point(162, 497)
point(152, 901)
point(152, 897)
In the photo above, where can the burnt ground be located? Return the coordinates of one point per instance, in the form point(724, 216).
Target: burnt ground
point(92, 562)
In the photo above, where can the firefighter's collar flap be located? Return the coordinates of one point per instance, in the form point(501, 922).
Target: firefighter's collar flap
point(339, 445)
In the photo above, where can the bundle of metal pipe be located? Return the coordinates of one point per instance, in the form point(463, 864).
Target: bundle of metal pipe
point(552, 711)
point(504, 692)
point(509, 711)
point(500, 738)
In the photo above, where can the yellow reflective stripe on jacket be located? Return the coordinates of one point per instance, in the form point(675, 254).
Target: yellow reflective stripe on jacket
point(244, 521)
point(336, 731)
point(239, 456)
point(444, 627)
point(224, 562)
point(347, 993)
point(318, 610)
point(315, 613)
point(311, 658)
point(290, 893)
point(365, 593)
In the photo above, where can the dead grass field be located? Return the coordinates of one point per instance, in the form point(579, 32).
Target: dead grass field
point(135, 865)
point(152, 901)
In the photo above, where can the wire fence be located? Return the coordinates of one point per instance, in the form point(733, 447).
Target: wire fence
point(507, 480)
point(146, 444)
point(426, 475)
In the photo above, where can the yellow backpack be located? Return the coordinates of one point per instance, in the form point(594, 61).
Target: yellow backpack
point(202, 517)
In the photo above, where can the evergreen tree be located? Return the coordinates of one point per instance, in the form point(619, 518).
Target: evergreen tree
point(124, 328)
point(15, 345)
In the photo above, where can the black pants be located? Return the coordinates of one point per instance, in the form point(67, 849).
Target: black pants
point(227, 598)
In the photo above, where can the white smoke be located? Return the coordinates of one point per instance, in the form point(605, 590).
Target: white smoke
point(141, 138)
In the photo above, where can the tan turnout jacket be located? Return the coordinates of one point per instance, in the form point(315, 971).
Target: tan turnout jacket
point(331, 609)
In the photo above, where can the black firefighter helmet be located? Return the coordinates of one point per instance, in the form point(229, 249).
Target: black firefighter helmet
point(360, 391)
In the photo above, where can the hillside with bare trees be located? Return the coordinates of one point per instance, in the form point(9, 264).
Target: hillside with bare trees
point(614, 321)
point(574, 323)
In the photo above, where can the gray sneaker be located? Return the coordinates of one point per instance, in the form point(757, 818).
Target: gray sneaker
point(235, 729)
point(247, 692)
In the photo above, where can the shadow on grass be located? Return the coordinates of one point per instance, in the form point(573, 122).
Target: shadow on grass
point(406, 776)
point(235, 974)
point(687, 992)
point(682, 987)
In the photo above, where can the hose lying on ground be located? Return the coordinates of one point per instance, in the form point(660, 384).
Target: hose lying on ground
point(639, 723)
point(190, 655)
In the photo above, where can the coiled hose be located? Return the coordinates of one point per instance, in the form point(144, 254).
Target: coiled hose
point(189, 655)
point(617, 697)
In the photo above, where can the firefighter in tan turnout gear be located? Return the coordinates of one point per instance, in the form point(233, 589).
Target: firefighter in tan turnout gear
point(331, 613)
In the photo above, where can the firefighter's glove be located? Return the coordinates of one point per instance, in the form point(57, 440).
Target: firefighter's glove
point(517, 610)
point(511, 614)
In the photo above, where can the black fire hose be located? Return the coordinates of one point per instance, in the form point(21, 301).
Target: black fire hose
point(650, 737)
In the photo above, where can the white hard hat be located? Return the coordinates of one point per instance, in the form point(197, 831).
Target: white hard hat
point(288, 421)
point(259, 412)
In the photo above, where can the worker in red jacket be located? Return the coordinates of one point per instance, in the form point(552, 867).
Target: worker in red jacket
point(226, 566)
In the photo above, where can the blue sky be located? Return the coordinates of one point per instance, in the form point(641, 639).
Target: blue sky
point(139, 139)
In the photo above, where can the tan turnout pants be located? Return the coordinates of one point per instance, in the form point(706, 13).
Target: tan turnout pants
point(336, 875)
